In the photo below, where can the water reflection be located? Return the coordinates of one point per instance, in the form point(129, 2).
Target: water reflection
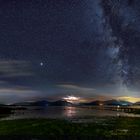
point(65, 113)
point(70, 111)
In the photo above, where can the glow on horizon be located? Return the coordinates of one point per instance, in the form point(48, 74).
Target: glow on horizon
point(75, 99)
point(129, 99)
point(72, 99)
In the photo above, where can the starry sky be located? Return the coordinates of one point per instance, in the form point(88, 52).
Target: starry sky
point(50, 49)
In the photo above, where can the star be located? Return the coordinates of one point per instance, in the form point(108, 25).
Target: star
point(41, 64)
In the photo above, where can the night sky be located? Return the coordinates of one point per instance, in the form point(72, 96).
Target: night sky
point(50, 49)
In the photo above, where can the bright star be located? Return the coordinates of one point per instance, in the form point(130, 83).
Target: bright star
point(41, 63)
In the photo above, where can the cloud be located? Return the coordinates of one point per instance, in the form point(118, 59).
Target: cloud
point(130, 99)
point(14, 68)
point(4, 91)
point(75, 87)
point(85, 93)
point(16, 94)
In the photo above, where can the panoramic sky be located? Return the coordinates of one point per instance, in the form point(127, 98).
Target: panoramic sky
point(52, 49)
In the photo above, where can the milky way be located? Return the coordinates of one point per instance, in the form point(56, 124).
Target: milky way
point(126, 40)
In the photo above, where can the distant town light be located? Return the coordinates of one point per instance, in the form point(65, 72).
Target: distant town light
point(100, 104)
point(118, 106)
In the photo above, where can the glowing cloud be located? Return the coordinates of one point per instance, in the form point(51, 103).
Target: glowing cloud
point(71, 99)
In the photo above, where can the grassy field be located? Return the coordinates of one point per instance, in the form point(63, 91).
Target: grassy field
point(60, 129)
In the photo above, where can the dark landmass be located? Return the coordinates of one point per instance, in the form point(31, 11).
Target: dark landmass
point(60, 103)
point(22, 104)
point(96, 103)
point(44, 103)
point(5, 110)
point(137, 103)
point(65, 103)
point(40, 103)
point(117, 102)
point(109, 103)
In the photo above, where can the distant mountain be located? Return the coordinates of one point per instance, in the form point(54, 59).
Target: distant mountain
point(36, 103)
point(22, 104)
point(60, 103)
point(126, 103)
point(117, 102)
point(44, 103)
point(112, 102)
point(96, 103)
point(108, 102)
point(65, 103)
point(137, 103)
point(40, 103)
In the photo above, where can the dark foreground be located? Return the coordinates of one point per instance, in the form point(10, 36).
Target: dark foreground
point(42, 129)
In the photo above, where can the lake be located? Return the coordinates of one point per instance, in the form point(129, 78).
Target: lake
point(57, 112)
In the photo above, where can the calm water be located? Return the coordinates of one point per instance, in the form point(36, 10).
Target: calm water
point(64, 113)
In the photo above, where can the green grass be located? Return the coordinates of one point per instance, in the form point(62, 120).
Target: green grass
point(110, 127)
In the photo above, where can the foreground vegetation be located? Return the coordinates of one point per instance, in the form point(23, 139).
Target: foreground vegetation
point(60, 129)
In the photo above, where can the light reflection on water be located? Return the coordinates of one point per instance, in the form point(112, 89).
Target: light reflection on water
point(70, 111)
point(64, 113)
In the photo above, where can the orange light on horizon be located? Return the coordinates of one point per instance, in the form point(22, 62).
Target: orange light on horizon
point(129, 99)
